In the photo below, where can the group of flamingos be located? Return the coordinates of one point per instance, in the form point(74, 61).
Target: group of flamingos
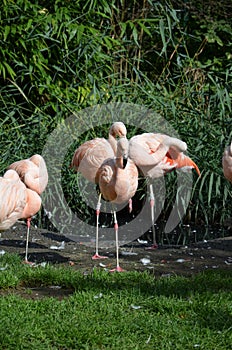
point(114, 164)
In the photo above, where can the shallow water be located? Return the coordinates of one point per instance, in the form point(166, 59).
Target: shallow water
point(188, 234)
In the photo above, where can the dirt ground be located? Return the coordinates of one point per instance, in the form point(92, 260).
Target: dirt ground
point(47, 247)
point(53, 248)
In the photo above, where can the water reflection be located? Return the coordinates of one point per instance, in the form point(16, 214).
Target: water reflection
point(187, 234)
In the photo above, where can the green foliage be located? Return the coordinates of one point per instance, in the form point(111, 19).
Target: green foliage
point(57, 58)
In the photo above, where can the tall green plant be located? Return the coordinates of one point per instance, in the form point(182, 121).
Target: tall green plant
point(60, 57)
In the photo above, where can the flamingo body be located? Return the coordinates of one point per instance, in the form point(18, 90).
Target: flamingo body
point(89, 156)
point(157, 154)
point(33, 174)
point(16, 201)
point(118, 184)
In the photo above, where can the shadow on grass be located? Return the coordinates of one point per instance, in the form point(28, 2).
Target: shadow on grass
point(213, 317)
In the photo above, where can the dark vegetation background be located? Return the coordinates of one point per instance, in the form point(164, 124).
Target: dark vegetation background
point(59, 57)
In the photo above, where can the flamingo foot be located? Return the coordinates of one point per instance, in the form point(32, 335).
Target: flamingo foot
point(97, 256)
point(28, 262)
point(152, 247)
point(117, 269)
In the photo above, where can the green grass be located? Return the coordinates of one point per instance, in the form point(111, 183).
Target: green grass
point(114, 311)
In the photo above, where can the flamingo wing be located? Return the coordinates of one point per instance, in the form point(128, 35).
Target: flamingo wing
point(89, 156)
point(118, 185)
point(32, 172)
point(149, 150)
point(107, 179)
point(12, 199)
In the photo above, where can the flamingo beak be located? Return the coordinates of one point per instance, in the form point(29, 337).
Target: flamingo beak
point(193, 165)
point(188, 162)
point(124, 161)
point(197, 169)
point(183, 162)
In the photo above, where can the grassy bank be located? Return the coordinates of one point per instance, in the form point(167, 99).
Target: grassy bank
point(113, 311)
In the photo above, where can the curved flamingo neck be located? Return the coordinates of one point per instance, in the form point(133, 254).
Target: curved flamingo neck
point(122, 152)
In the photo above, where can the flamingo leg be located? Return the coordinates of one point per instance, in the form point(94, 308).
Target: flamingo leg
point(130, 205)
point(118, 268)
point(152, 203)
point(96, 255)
point(27, 241)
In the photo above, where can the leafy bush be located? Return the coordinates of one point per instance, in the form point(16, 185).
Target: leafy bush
point(57, 58)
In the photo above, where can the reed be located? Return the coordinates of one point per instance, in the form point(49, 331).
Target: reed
point(56, 60)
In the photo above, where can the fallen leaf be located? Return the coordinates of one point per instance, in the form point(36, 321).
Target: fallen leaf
point(142, 241)
point(136, 307)
point(145, 261)
point(4, 268)
point(60, 247)
point(125, 253)
point(148, 340)
point(228, 263)
point(100, 295)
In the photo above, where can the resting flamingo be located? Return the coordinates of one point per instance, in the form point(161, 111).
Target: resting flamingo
point(16, 201)
point(155, 155)
point(118, 182)
point(227, 162)
point(33, 173)
point(88, 158)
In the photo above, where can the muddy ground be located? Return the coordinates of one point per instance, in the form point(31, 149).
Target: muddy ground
point(53, 248)
point(47, 247)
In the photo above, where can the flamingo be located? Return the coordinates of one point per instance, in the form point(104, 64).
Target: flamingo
point(16, 201)
point(227, 162)
point(88, 158)
point(118, 182)
point(155, 155)
point(33, 173)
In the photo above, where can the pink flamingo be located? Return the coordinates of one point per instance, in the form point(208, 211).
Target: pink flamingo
point(16, 201)
point(118, 182)
point(88, 158)
point(33, 173)
point(155, 155)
